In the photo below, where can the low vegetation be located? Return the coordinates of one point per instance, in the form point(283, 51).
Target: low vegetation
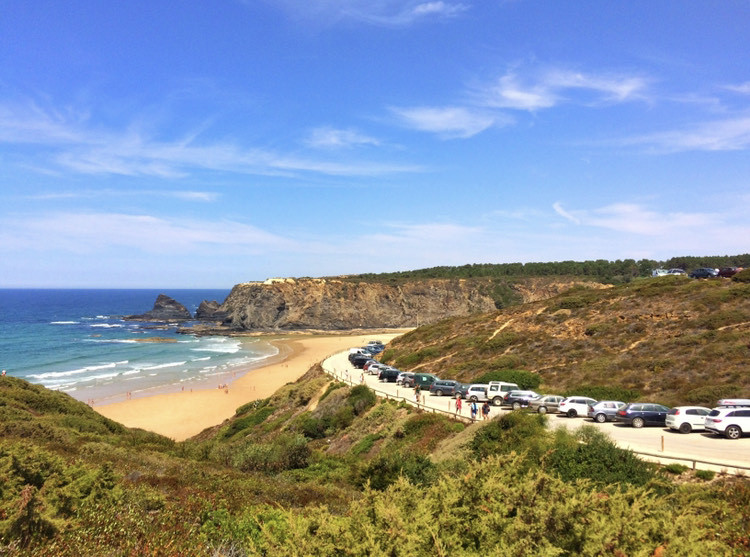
point(322, 468)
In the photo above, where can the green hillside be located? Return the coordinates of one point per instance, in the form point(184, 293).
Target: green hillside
point(672, 339)
point(322, 468)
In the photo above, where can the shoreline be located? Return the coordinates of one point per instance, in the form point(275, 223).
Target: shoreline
point(181, 415)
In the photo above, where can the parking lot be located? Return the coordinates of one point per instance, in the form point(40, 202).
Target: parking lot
point(702, 450)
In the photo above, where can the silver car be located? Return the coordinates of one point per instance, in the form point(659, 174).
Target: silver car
point(604, 410)
point(546, 403)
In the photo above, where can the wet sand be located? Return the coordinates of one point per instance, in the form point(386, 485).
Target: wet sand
point(184, 414)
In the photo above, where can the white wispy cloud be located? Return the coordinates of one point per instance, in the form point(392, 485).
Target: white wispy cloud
point(185, 195)
point(393, 13)
point(731, 134)
point(448, 122)
point(636, 219)
point(76, 144)
point(91, 233)
point(551, 87)
point(331, 138)
point(742, 88)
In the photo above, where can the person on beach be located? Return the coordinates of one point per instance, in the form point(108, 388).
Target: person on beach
point(3, 373)
point(474, 409)
point(486, 410)
point(459, 404)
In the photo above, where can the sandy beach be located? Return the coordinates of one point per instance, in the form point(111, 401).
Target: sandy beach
point(185, 414)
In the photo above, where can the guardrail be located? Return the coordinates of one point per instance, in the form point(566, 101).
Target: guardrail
point(723, 467)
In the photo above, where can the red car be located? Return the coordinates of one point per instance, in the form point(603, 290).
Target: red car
point(727, 272)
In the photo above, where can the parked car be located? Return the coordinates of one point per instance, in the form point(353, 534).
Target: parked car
point(403, 376)
point(520, 399)
point(604, 410)
point(728, 272)
point(477, 392)
point(462, 389)
point(496, 391)
point(659, 272)
point(729, 422)
point(374, 369)
point(389, 374)
point(360, 360)
point(639, 414)
point(687, 418)
point(676, 272)
point(575, 406)
point(546, 403)
point(444, 387)
point(704, 272)
point(424, 380)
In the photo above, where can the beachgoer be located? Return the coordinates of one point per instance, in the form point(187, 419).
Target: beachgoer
point(474, 409)
point(3, 373)
point(485, 410)
point(459, 403)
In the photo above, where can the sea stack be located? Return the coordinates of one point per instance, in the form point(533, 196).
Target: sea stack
point(165, 309)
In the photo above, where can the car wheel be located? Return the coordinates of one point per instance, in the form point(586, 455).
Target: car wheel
point(638, 422)
point(497, 401)
point(439, 393)
point(542, 410)
point(733, 432)
point(685, 428)
point(600, 418)
point(572, 413)
point(516, 406)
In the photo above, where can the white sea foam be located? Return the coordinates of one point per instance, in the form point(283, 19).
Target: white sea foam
point(59, 374)
point(106, 325)
point(63, 322)
point(220, 346)
point(203, 359)
point(162, 366)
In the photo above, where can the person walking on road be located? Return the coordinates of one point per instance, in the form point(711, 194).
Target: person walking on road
point(474, 409)
point(417, 390)
point(459, 404)
point(486, 410)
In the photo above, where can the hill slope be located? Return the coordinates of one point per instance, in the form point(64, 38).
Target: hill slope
point(672, 338)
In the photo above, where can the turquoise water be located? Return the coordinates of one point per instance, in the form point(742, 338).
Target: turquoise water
point(76, 341)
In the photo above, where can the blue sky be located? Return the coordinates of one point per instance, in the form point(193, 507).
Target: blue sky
point(203, 144)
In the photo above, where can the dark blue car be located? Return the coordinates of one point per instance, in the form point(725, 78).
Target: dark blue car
point(639, 414)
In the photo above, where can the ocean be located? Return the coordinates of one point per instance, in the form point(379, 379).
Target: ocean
point(77, 341)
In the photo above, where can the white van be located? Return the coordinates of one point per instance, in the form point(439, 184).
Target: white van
point(477, 392)
point(496, 391)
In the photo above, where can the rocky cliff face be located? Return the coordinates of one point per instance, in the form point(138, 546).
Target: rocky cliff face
point(333, 304)
point(165, 309)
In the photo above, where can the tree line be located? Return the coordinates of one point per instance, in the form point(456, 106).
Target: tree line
point(620, 270)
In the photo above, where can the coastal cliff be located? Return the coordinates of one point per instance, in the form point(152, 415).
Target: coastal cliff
point(333, 304)
point(341, 304)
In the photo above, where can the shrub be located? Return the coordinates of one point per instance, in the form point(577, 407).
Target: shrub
point(603, 392)
point(709, 394)
point(590, 454)
point(385, 470)
point(524, 379)
point(514, 431)
point(705, 475)
point(742, 276)
point(676, 469)
point(332, 387)
point(286, 452)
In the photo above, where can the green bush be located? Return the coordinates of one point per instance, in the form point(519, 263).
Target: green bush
point(705, 475)
point(590, 454)
point(710, 394)
point(676, 469)
point(286, 452)
point(386, 470)
point(524, 379)
point(603, 392)
point(514, 431)
point(742, 276)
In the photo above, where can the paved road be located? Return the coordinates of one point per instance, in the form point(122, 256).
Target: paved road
point(718, 453)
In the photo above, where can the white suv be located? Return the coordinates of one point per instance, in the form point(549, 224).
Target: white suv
point(576, 406)
point(729, 422)
point(687, 418)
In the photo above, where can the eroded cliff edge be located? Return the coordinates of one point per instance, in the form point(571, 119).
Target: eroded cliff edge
point(336, 304)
